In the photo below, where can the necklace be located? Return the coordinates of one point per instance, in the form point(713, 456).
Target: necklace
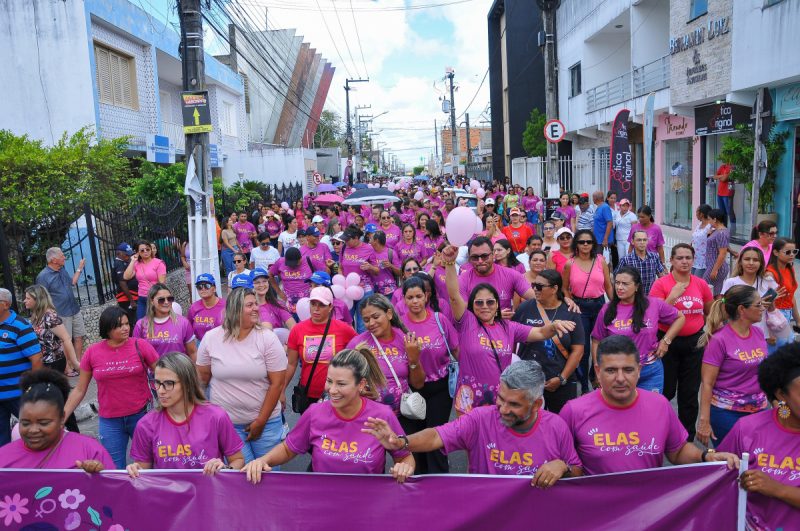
point(555, 312)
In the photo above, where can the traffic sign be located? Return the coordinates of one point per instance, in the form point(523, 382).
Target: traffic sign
point(554, 131)
point(196, 112)
point(317, 178)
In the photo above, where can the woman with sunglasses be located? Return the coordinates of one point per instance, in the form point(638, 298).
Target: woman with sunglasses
point(734, 347)
point(239, 264)
point(504, 255)
point(559, 257)
point(408, 247)
point(334, 228)
point(184, 431)
point(587, 282)
point(389, 262)
point(147, 269)
point(388, 227)
point(118, 364)
point(781, 265)
point(207, 312)
point(537, 262)
point(549, 241)
point(761, 237)
point(408, 268)
point(486, 340)
point(558, 356)
point(162, 327)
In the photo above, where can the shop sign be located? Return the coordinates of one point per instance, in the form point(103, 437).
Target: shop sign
point(787, 102)
point(719, 118)
point(716, 27)
point(698, 71)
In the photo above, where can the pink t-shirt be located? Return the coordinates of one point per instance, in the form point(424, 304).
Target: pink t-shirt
point(73, 447)
point(274, 315)
point(393, 235)
point(479, 368)
point(320, 254)
point(773, 449)
point(169, 336)
point(438, 275)
point(409, 250)
point(433, 350)
point(243, 231)
point(207, 434)
point(690, 304)
point(506, 281)
point(646, 339)
point(122, 386)
point(655, 237)
point(147, 274)
point(738, 359)
point(293, 279)
point(395, 351)
point(353, 257)
point(429, 245)
point(754, 244)
point(594, 281)
point(338, 445)
point(618, 439)
point(239, 370)
point(384, 281)
point(204, 319)
point(498, 450)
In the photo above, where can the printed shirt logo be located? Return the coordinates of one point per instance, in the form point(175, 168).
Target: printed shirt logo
point(625, 443)
point(510, 462)
point(778, 466)
point(345, 450)
point(311, 344)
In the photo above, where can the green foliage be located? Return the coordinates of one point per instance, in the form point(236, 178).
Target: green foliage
point(157, 182)
point(329, 131)
point(738, 150)
point(418, 170)
point(533, 140)
point(237, 197)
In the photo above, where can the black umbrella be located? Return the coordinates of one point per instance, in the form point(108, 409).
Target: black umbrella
point(370, 196)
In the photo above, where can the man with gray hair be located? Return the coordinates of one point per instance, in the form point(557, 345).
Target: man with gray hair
point(516, 437)
point(59, 284)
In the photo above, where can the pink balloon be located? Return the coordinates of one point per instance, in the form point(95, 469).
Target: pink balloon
point(283, 335)
point(478, 225)
point(391, 187)
point(339, 280)
point(460, 225)
point(474, 184)
point(290, 212)
point(419, 195)
point(353, 279)
point(303, 309)
point(338, 290)
point(481, 193)
point(285, 205)
point(349, 303)
point(354, 293)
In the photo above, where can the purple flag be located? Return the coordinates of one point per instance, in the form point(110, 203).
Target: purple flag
point(621, 163)
point(682, 497)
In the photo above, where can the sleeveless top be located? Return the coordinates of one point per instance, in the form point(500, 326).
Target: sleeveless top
point(587, 285)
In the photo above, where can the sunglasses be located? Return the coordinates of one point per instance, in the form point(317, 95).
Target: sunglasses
point(145, 250)
point(479, 257)
point(771, 233)
point(549, 228)
point(264, 244)
point(238, 261)
point(164, 300)
point(204, 285)
point(485, 303)
point(539, 287)
point(411, 269)
point(790, 252)
point(584, 242)
point(337, 242)
point(565, 237)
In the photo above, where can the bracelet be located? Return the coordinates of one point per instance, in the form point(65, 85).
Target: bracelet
point(706, 453)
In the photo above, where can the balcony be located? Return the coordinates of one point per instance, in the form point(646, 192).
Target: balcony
point(175, 134)
point(638, 82)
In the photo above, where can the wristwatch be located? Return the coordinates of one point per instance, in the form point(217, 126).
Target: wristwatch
point(413, 366)
point(562, 380)
point(667, 341)
point(706, 453)
point(405, 441)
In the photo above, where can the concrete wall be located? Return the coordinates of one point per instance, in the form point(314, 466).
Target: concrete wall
point(270, 166)
point(649, 31)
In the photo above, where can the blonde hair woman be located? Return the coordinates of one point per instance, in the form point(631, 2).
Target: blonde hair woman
point(55, 341)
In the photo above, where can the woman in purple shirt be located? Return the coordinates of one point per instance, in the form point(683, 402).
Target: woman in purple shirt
point(655, 238)
point(162, 327)
point(358, 257)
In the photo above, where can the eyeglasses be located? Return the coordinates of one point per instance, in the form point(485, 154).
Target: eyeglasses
point(204, 285)
point(145, 250)
point(168, 385)
point(164, 300)
point(584, 242)
point(790, 252)
point(411, 269)
point(336, 242)
point(540, 287)
point(549, 228)
point(238, 261)
point(264, 244)
point(485, 303)
point(480, 257)
point(386, 217)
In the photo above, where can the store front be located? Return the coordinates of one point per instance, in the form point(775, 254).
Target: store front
point(786, 110)
point(677, 171)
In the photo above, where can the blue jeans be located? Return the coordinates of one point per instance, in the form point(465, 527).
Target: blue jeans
point(722, 421)
point(356, 312)
point(227, 260)
point(724, 204)
point(8, 407)
point(589, 310)
point(270, 438)
point(115, 433)
point(652, 377)
point(141, 310)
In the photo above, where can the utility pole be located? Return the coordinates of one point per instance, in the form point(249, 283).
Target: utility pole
point(202, 226)
point(349, 132)
point(450, 75)
point(466, 116)
point(762, 123)
point(548, 8)
point(435, 142)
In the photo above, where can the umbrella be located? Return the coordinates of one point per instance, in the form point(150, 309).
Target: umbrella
point(340, 184)
point(371, 196)
point(327, 199)
point(360, 186)
point(325, 187)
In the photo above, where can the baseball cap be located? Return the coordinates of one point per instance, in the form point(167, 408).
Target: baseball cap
point(312, 231)
point(259, 272)
point(320, 277)
point(323, 295)
point(370, 228)
point(317, 219)
point(426, 200)
point(583, 199)
point(339, 236)
point(562, 230)
point(514, 211)
point(585, 194)
point(489, 201)
point(242, 280)
point(292, 256)
point(125, 248)
point(624, 201)
point(205, 278)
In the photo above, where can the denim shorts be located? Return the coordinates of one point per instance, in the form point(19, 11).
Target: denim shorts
point(270, 438)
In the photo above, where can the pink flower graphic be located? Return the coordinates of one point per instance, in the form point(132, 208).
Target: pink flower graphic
point(71, 499)
point(13, 509)
point(116, 527)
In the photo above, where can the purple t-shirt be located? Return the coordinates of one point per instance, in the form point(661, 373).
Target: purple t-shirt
point(243, 231)
point(738, 359)
point(169, 336)
point(569, 214)
point(341, 311)
point(498, 450)
point(320, 253)
point(393, 235)
point(385, 283)
point(274, 315)
point(438, 275)
point(506, 281)
point(433, 351)
point(338, 445)
point(293, 279)
point(353, 257)
point(654, 236)
point(618, 439)
point(646, 339)
point(409, 250)
point(73, 447)
point(429, 245)
point(479, 368)
point(773, 449)
point(207, 434)
point(395, 351)
point(204, 319)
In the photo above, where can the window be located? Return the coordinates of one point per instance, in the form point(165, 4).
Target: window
point(166, 106)
point(228, 119)
point(678, 181)
point(116, 77)
point(698, 8)
point(770, 3)
point(575, 80)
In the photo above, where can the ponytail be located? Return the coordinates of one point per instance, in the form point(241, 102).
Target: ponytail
point(726, 309)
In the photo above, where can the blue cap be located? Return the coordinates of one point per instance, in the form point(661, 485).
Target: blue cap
point(320, 277)
point(125, 248)
point(205, 277)
point(242, 280)
point(259, 272)
point(370, 228)
point(312, 231)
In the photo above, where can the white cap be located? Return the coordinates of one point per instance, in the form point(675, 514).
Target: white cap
point(317, 219)
point(489, 201)
point(563, 230)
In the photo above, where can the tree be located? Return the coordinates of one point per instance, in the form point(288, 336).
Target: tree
point(533, 141)
point(418, 170)
point(157, 183)
point(329, 131)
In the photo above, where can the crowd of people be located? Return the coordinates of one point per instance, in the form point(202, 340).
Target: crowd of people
point(556, 338)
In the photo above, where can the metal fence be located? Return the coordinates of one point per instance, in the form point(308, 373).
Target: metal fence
point(632, 84)
point(585, 172)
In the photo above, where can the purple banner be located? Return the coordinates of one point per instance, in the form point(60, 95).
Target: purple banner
point(683, 497)
point(621, 163)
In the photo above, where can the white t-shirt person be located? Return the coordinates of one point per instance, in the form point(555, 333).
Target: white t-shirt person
point(261, 257)
point(289, 239)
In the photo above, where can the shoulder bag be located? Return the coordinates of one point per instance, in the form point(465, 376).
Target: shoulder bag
point(555, 339)
point(149, 379)
point(300, 399)
point(412, 404)
point(452, 367)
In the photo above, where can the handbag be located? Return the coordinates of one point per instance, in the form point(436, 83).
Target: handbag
point(148, 374)
point(300, 399)
point(778, 325)
point(412, 404)
point(554, 339)
point(452, 367)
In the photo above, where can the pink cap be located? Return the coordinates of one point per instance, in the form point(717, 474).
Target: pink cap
point(322, 294)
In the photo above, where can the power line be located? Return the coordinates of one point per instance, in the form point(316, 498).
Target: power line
point(475, 95)
point(333, 41)
point(296, 7)
point(344, 37)
point(358, 36)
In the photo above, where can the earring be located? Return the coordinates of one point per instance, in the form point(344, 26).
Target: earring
point(783, 410)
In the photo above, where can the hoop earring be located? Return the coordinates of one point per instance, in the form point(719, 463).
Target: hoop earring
point(783, 410)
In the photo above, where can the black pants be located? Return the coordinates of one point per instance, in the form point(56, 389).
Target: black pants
point(438, 406)
point(590, 308)
point(72, 423)
point(682, 364)
point(554, 401)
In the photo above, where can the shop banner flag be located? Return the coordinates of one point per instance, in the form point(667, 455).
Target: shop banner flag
point(681, 497)
point(649, 159)
point(621, 163)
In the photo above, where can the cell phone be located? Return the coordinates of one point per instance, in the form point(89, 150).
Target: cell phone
point(770, 294)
